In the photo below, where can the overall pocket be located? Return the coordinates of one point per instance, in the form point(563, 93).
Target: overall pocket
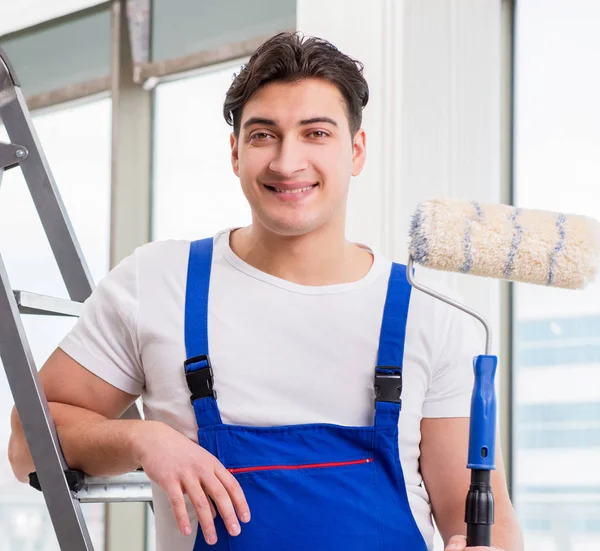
point(309, 507)
point(305, 507)
point(309, 487)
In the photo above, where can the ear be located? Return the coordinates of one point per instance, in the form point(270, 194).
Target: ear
point(359, 152)
point(235, 159)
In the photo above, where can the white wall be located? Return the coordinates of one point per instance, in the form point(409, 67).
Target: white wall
point(433, 121)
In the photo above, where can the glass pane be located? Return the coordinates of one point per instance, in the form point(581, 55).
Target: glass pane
point(196, 193)
point(557, 333)
point(76, 141)
point(69, 52)
point(25, 13)
point(183, 27)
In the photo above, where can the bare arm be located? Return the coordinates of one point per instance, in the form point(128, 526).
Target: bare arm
point(84, 409)
point(86, 412)
point(444, 450)
point(91, 443)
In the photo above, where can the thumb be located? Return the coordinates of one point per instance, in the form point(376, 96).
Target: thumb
point(456, 543)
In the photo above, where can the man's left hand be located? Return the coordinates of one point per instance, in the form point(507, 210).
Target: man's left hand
point(459, 543)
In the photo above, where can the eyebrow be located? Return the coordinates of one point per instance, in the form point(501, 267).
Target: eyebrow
point(305, 122)
point(314, 120)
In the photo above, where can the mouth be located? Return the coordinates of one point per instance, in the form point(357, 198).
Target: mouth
point(291, 191)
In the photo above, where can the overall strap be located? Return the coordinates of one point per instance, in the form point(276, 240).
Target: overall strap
point(197, 368)
point(388, 373)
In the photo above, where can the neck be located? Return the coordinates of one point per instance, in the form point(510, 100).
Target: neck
point(321, 257)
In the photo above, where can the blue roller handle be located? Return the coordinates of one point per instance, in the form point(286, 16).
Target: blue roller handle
point(482, 433)
point(479, 510)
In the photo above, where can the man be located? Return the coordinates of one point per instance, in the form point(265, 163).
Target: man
point(296, 407)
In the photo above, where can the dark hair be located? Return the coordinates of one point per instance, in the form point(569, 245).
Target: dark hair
point(290, 57)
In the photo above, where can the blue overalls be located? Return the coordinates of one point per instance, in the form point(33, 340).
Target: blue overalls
point(310, 487)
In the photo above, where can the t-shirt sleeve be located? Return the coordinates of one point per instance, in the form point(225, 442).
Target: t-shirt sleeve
point(105, 338)
point(458, 341)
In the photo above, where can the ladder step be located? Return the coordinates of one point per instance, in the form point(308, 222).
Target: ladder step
point(33, 303)
point(123, 488)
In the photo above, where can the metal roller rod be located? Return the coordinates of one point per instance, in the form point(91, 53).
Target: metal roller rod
point(451, 302)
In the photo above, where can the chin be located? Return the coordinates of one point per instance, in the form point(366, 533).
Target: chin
point(290, 228)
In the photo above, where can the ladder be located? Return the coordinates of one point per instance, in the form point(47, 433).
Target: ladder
point(63, 489)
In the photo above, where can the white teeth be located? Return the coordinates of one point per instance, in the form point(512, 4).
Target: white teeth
point(293, 190)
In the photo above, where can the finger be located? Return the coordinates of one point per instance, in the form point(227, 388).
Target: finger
point(235, 492)
point(456, 543)
point(204, 509)
point(177, 501)
point(215, 489)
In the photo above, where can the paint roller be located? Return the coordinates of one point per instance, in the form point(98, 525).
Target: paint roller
point(501, 242)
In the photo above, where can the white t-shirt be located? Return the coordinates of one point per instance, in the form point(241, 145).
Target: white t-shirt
point(282, 353)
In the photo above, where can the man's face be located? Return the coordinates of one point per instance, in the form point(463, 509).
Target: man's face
point(295, 156)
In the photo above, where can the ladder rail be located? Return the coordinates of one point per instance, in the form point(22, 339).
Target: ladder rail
point(63, 503)
point(40, 431)
point(42, 186)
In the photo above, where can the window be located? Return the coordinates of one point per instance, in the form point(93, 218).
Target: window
point(195, 193)
point(16, 16)
point(45, 59)
point(183, 27)
point(76, 141)
point(557, 333)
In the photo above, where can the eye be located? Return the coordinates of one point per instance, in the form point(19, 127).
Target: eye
point(319, 134)
point(260, 136)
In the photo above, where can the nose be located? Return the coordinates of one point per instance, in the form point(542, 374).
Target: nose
point(289, 159)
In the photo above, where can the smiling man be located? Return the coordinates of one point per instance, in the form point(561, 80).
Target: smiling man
point(273, 359)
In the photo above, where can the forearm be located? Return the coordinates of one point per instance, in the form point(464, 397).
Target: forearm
point(506, 533)
point(90, 442)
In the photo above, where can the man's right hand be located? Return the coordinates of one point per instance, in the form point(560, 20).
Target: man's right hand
point(180, 467)
point(87, 410)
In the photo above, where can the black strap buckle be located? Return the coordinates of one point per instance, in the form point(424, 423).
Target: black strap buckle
point(200, 381)
point(388, 386)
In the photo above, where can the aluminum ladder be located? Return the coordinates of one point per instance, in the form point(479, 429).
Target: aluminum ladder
point(63, 489)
